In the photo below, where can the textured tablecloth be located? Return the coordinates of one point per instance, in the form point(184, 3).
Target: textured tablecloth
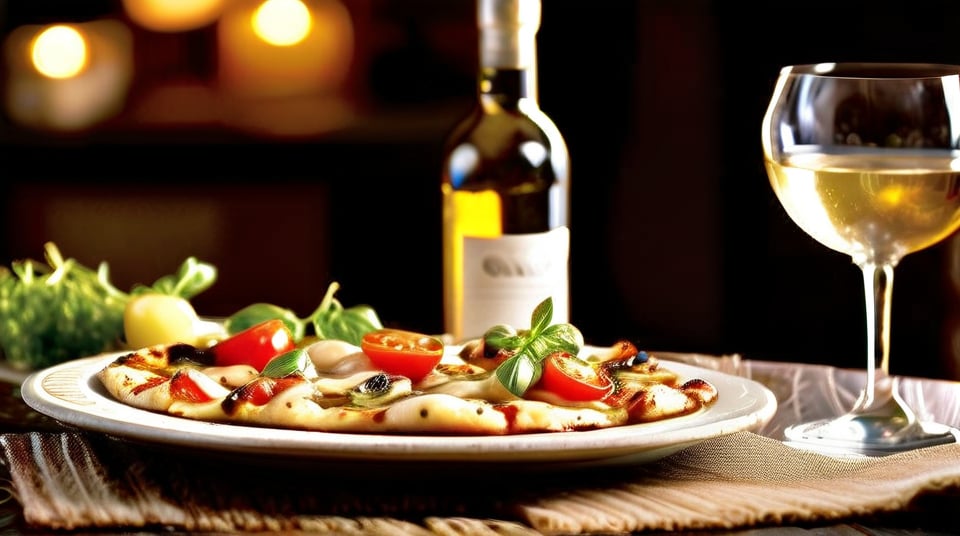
point(72, 480)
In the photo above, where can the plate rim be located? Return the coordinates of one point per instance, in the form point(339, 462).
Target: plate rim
point(70, 393)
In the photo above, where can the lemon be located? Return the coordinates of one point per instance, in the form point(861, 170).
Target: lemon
point(150, 319)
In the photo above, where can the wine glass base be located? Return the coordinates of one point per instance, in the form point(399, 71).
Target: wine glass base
point(846, 437)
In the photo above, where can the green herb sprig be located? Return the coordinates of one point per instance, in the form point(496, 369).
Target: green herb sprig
point(294, 361)
point(330, 320)
point(531, 347)
point(60, 310)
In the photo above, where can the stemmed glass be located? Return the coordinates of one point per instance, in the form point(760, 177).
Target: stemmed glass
point(865, 158)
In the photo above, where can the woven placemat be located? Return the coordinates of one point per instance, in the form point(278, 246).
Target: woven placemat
point(78, 481)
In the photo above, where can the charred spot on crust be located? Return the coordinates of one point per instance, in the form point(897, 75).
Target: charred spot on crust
point(699, 389)
point(424, 413)
point(695, 383)
point(185, 352)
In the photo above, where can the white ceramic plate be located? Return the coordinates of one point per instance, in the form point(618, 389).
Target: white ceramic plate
point(71, 394)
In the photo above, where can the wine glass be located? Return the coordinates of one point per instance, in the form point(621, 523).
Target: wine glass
point(865, 158)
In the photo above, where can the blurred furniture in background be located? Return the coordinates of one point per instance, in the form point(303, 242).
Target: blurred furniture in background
point(291, 167)
point(264, 153)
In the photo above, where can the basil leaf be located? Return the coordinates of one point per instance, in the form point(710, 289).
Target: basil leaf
point(541, 317)
point(192, 278)
point(563, 337)
point(364, 314)
point(346, 324)
point(518, 373)
point(532, 346)
point(257, 313)
point(332, 321)
point(502, 337)
point(538, 348)
point(329, 321)
point(286, 364)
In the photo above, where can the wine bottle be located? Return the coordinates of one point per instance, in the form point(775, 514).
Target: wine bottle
point(506, 187)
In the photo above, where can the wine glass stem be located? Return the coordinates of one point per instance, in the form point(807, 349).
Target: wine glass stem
point(880, 395)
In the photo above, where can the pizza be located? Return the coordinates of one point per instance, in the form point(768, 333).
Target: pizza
point(401, 382)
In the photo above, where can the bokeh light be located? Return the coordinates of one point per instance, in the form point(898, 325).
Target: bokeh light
point(173, 15)
point(282, 22)
point(59, 51)
point(282, 65)
point(67, 77)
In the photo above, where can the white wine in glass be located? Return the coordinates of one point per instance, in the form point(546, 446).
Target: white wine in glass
point(865, 158)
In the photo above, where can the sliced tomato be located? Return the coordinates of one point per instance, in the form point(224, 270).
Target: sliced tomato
point(574, 379)
point(259, 391)
point(254, 346)
point(405, 353)
point(183, 387)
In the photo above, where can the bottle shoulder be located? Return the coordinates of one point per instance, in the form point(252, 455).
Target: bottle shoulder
point(490, 133)
point(505, 147)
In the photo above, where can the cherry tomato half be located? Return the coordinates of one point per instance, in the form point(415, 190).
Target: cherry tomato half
point(260, 390)
point(254, 346)
point(405, 353)
point(573, 378)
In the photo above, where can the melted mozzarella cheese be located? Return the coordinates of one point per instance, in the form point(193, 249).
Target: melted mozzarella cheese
point(658, 401)
point(443, 413)
point(232, 375)
point(481, 387)
point(537, 416)
point(341, 385)
point(338, 357)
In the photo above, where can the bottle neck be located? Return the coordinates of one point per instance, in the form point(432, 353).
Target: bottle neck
point(508, 54)
point(508, 88)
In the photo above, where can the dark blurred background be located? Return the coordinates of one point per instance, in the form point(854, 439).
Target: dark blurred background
point(323, 163)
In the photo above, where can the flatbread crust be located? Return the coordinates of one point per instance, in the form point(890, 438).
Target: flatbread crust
point(457, 398)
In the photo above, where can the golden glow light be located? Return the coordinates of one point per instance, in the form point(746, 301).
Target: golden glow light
point(290, 90)
point(173, 15)
point(318, 62)
point(59, 51)
point(282, 22)
point(66, 77)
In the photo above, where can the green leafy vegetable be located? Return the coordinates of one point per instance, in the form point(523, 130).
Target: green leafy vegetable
point(257, 313)
point(60, 310)
point(531, 347)
point(329, 321)
point(191, 279)
point(286, 364)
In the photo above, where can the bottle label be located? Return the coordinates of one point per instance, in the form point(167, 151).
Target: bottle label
point(505, 278)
